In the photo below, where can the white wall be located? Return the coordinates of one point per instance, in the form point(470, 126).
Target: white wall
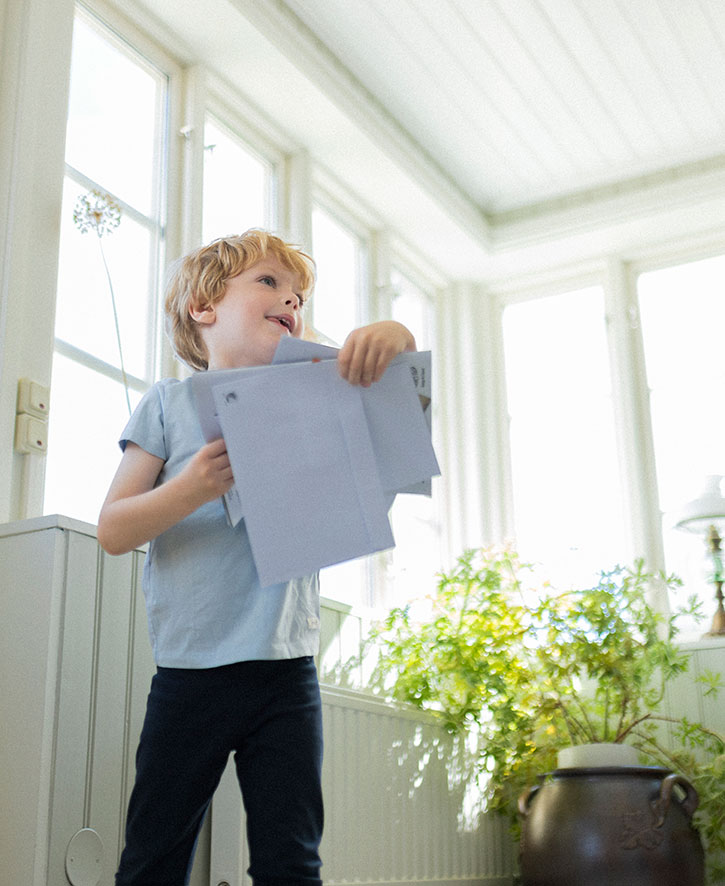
point(35, 45)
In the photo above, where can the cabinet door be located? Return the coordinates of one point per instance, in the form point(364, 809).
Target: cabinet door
point(105, 671)
point(31, 577)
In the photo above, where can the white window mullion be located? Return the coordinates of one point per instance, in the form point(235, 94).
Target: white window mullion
point(171, 212)
point(191, 137)
point(471, 374)
point(632, 417)
point(83, 358)
point(450, 394)
point(151, 222)
point(295, 200)
point(493, 420)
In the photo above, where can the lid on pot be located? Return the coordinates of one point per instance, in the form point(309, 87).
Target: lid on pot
point(599, 754)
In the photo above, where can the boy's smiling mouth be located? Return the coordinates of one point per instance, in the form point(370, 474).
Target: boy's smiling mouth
point(284, 320)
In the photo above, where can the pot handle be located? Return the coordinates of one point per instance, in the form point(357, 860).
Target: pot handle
point(689, 804)
point(526, 798)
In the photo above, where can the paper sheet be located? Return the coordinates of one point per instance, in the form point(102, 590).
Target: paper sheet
point(305, 468)
point(317, 462)
point(202, 384)
point(385, 421)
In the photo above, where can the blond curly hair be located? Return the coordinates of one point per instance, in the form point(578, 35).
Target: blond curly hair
point(199, 280)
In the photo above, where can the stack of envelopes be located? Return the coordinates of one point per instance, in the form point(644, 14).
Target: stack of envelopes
point(317, 461)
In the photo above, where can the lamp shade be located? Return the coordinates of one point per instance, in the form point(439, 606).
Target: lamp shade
point(706, 510)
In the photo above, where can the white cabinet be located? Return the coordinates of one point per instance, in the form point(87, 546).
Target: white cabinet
point(75, 664)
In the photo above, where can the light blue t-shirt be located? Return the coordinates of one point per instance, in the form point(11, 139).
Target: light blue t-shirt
point(204, 602)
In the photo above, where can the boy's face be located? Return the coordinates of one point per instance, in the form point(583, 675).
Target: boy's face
point(259, 306)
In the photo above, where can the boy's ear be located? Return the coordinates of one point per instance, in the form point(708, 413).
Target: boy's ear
point(205, 316)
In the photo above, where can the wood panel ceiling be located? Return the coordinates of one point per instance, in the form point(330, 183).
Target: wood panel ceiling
point(522, 101)
point(497, 135)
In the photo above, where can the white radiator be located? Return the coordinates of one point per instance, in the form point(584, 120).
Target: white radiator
point(75, 666)
point(394, 811)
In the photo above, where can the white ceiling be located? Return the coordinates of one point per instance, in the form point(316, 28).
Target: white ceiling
point(520, 101)
point(496, 134)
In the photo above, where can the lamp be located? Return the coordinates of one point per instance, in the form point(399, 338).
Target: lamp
point(705, 515)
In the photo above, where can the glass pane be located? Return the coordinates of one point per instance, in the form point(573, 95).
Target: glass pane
point(346, 583)
point(115, 131)
point(334, 304)
point(683, 311)
point(236, 183)
point(411, 307)
point(113, 118)
point(88, 413)
point(683, 315)
point(567, 500)
point(416, 558)
point(84, 312)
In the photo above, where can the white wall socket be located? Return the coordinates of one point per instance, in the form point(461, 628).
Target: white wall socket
point(33, 398)
point(31, 434)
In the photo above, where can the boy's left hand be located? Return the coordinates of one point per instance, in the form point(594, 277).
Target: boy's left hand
point(368, 351)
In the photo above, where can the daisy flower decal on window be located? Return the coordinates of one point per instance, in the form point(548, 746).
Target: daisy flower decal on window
point(96, 211)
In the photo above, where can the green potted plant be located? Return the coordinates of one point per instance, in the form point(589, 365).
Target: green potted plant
point(530, 671)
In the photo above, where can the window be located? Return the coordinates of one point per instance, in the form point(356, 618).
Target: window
point(568, 512)
point(412, 307)
point(338, 291)
point(682, 313)
point(237, 185)
point(416, 558)
point(334, 312)
point(115, 144)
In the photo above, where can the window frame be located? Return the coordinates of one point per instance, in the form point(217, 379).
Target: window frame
point(378, 254)
point(341, 214)
point(618, 274)
point(242, 122)
point(573, 286)
point(126, 35)
point(418, 272)
point(122, 37)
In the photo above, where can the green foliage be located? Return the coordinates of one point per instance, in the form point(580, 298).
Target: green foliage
point(530, 670)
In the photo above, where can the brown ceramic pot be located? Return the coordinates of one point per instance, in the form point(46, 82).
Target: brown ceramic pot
point(618, 826)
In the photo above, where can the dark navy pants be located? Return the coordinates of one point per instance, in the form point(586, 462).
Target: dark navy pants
point(268, 714)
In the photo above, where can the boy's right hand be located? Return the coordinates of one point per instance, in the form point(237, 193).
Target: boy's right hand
point(208, 473)
point(137, 510)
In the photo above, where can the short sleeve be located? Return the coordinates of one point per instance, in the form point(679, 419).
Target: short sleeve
point(145, 428)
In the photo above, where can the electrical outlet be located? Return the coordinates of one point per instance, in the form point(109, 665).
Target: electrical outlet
point(33, 398)
point(31, 435)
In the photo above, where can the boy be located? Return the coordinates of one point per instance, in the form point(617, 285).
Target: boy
point(235, 661)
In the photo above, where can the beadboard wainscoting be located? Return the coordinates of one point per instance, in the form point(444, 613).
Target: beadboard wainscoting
point(76, 665)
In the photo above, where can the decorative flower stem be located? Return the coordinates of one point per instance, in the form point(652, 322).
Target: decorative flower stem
point(99, 212)
point(115, 321)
